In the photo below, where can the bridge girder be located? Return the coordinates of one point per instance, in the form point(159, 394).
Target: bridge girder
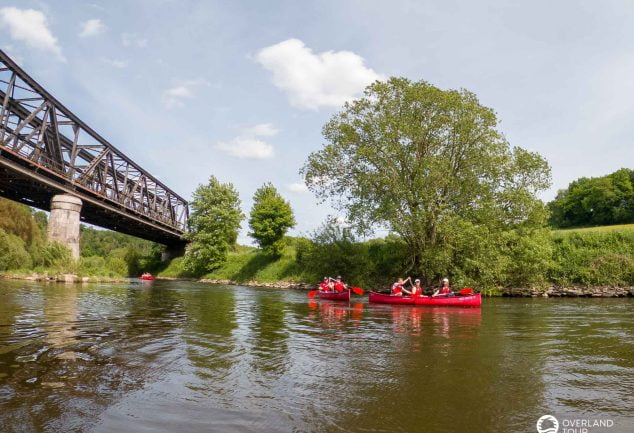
point(45, 150)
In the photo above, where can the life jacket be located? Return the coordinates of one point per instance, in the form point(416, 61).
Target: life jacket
point(324, 287)
point(339, 287)
point(397, 288)
point(445, 291)
point(417, 291)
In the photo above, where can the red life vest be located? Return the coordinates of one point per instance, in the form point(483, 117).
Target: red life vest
point(397, 288)
point(445, 291)
point(417, 291)
point(324, 287)
point(339, 287)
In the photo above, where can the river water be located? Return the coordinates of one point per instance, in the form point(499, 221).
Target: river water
point(187, 357)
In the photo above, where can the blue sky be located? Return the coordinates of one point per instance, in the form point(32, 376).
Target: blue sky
point(241, 89)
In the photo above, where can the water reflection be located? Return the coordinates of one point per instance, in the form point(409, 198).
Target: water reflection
point(195, 358)
point(66, 359)
point(269, 333)
point(209, 336)
point(60, 316)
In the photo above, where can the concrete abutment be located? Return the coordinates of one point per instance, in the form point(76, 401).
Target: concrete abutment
point(63, 223)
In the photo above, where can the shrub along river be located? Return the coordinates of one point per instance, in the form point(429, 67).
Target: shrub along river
point(188, 357)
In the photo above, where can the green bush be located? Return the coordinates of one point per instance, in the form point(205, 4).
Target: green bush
point(589, 258)
point(51, 255)
point(116, 266)
point(17, 219)
point(335, 251)
point(13, 254)
point(99, 266)
point(530, 258)
point(388, 257)
point(92, 265)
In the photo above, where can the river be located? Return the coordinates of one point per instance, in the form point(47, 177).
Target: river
point(188, 357)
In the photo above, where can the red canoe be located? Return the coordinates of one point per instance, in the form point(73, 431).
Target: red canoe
point(335, 296)
point(445, 301)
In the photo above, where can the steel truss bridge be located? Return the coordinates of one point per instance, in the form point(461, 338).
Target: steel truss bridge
point(46, 150)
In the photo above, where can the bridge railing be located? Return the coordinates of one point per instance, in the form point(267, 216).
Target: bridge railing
point(41, 133)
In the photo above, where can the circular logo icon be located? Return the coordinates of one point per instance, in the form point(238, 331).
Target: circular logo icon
point(547, 424)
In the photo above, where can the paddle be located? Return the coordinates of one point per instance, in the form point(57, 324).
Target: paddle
point(357, 290)
point(312, 293)
point(466, 291)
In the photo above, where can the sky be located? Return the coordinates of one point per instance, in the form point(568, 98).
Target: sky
point(240, 90)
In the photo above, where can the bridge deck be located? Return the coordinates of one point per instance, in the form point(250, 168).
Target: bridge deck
point(46, 150)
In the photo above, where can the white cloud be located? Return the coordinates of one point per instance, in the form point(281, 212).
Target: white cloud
point(297, 187)
point(133, 39)
point(261, 130)
point(30, 27)
point(248, 145)
point(315, 80)
point(175, 97)
point(92, 27)
point(115, 63)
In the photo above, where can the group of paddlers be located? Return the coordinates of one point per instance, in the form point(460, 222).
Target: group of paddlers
point(415, 290)
point(332, 285)
point(336, 285)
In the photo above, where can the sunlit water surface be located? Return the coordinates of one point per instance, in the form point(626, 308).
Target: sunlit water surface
point(186, 357)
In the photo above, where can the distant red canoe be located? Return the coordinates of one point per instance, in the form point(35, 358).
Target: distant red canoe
point(445, 301)
point(147, 277)
point(335, 296)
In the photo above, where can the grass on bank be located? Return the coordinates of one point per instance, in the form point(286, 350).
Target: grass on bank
point(593, 256)
point(250, 264)
point(617, 227)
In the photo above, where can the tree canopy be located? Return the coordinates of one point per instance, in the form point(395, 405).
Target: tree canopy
point(595, 201)
point(271, 217)
point(214, 224)
point(429, 165)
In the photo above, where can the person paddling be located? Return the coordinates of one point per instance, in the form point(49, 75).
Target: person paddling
point(339, 286)
point(444, 290)
point(417, 289)
point(397, 288)
point(324, 286)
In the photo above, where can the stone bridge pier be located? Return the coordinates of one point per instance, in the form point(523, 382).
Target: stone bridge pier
point(63, 223)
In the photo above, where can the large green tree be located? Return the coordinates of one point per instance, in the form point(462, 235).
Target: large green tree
point(214, 224)
point(595, 201)
point(271, 217)
point(429, 165)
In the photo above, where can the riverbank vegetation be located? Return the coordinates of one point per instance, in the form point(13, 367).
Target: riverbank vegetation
point(24, 249)
point(565, 259)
